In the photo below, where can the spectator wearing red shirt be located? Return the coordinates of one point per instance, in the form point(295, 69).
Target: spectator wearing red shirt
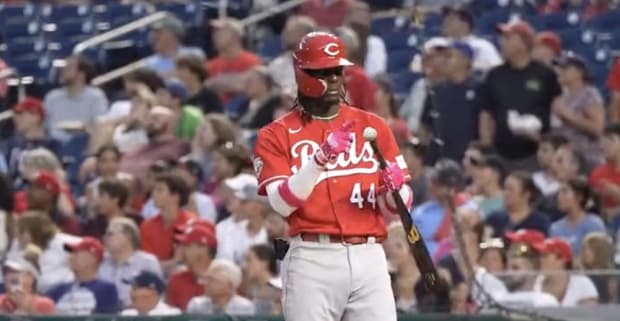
point(199, 244)
point(328, 14)
point(613, 84)
point(20, 277)
point(360, 90)
point(605, 178)
point(227, 70)
point(170, 194)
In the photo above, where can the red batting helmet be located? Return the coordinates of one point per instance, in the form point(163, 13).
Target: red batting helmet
point(317, 50)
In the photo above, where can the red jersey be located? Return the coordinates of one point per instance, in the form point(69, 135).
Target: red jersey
point(344, 199)
point(605, 172)
point(182, 287)
point(157, 238)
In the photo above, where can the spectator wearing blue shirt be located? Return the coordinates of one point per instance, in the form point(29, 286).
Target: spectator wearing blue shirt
point(574, 198)
point(430, 216)
point(29, 117)
point(520, 194)
point(87, 294)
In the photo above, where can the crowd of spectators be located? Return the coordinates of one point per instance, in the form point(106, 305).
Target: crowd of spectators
point(160, 214)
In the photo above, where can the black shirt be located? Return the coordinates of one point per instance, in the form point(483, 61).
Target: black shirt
point(207, 100)
point(501, 224)
point(451, 114)
point(529, 90)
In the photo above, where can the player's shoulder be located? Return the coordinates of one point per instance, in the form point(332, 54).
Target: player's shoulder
point(364, 116)
point(278, 126)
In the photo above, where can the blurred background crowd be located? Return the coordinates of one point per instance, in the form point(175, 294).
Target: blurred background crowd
point(127, 183)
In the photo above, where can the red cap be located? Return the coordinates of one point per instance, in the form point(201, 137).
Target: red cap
point(551, 40)
point(197, 235)
point(320, 50)
point(180, 228)
point(527, 236)
point(88, 244)
point(30, 105)
point(519, 27)
point(47, 181)
point(556, 246)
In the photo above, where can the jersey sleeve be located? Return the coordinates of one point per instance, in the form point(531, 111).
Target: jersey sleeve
point(270, 159)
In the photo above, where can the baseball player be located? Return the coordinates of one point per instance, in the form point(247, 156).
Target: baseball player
point(317, 171)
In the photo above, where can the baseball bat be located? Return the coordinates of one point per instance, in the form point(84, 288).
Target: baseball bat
point(417, 245)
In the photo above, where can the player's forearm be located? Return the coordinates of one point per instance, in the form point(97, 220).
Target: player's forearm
point(286, 195)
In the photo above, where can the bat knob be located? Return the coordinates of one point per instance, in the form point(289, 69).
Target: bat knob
point(370, 134)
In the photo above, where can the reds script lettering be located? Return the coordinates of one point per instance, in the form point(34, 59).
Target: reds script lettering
point(304, 149)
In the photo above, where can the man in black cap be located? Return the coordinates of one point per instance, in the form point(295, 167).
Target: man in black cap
point(458, 24)
point(146, 296)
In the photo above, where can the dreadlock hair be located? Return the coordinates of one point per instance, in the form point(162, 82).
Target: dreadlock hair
point(303, 100)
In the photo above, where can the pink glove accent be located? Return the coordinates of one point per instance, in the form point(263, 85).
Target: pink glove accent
point(393, 177)
point(338, 141)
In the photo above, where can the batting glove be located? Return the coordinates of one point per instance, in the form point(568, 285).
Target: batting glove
point(393, 177)
point(338, 141)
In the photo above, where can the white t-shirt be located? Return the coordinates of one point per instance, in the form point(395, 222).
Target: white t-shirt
point(160, 309)
point(237, 305)
point(118, 109)
point(376, 56)
point(579, 287)
point(233, 239)
point(54, 263)
point(493, 286)
point(545, 184)
point(129, 141)
point(528, 299)
point(205, 207)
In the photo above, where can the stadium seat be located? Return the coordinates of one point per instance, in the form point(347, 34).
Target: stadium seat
point(17, 47)
point(606, 22)
point(403, 81)
point(270, 47)
point(12, 13)
point(189, 13)
point(33, 65)
point(74, 27)
point(556, 21)
point(18, 29)
point(59, 13)
point(571, 37)
point(401, 39)
point(400, 60)
point(115, 15)
point(488, 21)
point(383, 25)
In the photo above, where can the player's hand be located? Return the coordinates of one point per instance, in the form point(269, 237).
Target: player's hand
point(393, 177)
point(337, 142)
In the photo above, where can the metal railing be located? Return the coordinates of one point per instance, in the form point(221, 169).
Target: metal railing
point(120, 31)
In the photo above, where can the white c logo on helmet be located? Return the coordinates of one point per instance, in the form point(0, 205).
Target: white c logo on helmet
point(331, 49)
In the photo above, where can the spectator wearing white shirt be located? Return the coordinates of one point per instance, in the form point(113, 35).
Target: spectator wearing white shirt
point(77, 105)
point(457, 25)
point(244, 227)
point(221, 284)
point(37, 228)
point(123, 259)
point(146, 296)
point(570, 289)
point(281, 68)
point(372, 53)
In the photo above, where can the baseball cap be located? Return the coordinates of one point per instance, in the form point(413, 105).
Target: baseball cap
point(172, 24)
point(527, 236)
point(447, 172)
point(464, 48)
point(551, 40)
point(556, 246)
point(180, 228)
point(30, 105)
point(147, 279)
point(177, 89)
point(519, 27)
point(47, 181)
point(240, 185)
point(197, 235)
point(460, 12)
point(21, 265)
point(575, 60)
point(88, 244)
point(230, 24)
point(435, 43)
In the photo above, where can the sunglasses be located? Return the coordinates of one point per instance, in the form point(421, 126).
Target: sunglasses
point(325, 73)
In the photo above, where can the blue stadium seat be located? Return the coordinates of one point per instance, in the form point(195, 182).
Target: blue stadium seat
point(557, 21)
point(58, 13)
point(401, 39)
point(17, 47)
point(116, 14)
point(432, 20)
point(485, 5)
point(74, 27)
point(9, 14)
point(189, 13)
point(31, 65)
point(21, 29)
point(382, 25)
point(403, 81)
point(606, 22)
point(570, 37)
point(270, 47)
point(488, 21)
point(399, 60)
